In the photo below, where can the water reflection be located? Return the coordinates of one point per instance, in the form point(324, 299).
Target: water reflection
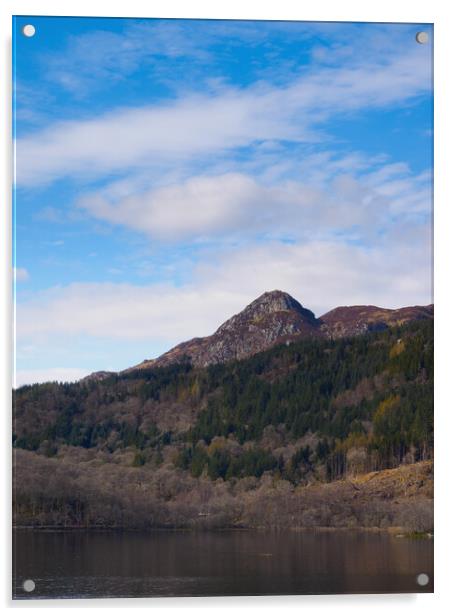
point(128, 564)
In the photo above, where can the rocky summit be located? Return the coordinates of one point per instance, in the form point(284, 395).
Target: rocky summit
point(276, 318)
point(273, 318)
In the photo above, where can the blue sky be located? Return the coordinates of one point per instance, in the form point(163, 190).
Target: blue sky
point(170, 171)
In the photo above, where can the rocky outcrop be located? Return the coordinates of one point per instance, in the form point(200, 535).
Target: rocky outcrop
point(273, 318)
point(276, 318)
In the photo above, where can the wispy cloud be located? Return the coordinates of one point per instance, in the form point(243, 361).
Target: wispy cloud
point(55, 243)
point(94, 59)
point(21, 274)
point(200, 125)
point(97, 57)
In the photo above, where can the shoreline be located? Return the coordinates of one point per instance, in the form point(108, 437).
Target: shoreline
point(395, 531)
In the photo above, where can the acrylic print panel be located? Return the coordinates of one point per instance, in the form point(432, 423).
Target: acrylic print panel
point(224, 308)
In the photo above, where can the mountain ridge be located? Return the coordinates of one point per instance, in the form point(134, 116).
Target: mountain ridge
point(275, 317)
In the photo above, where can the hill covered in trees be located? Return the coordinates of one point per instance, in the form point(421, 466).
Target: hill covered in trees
point(207, 443)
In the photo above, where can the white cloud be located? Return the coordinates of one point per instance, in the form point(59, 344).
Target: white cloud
point(201, 205)
point(328, 201)
point(21, 274)
point(62, 375)
point(202, 125)
point(321, 275)
point(123, 311)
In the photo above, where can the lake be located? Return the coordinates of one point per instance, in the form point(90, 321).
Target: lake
point(71, 564)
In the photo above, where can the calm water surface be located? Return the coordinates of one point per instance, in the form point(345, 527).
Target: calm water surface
point(166, 564)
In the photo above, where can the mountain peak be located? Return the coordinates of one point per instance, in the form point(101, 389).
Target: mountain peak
point(275, 301)
point(275, 317)
point(267, 306)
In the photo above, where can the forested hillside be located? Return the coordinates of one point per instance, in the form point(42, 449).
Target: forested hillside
point(303, 413)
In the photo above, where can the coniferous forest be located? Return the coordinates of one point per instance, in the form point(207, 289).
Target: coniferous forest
point(288, 437)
